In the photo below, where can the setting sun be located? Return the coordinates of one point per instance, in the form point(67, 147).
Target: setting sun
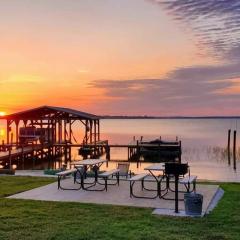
point(2, 132)
point(2, 114)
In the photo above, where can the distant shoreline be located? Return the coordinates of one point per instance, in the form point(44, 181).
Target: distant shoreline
point(174, 117)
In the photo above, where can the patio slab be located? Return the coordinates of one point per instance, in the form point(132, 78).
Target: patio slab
point(114, 196)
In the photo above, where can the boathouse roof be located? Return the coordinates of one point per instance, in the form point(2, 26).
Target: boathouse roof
point(46, 112)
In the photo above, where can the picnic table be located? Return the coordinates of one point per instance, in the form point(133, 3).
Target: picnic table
point(157, 171)
point(83, 166)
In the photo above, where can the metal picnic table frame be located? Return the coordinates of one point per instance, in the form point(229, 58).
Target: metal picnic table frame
point(83, 166)
point(159, 179)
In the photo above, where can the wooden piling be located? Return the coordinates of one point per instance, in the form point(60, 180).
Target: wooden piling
point(138, 154)
point(229, 147)
point(10, 159)
point(234, 150)
point(107, 154)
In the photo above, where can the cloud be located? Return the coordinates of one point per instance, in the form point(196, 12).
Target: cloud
point(204, 89)
point(21, 79)
point(215, 23)
point(184, 88)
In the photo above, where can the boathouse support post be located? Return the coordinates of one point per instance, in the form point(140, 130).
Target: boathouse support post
point(70, 139)
point(65, 130)
point(86, 130)
point(17, 131)
point(8, 130)
point(91, 126)
point(70, 131)
point(10, 159)
point(95, 138)
point(98, 121)
point(42, 138)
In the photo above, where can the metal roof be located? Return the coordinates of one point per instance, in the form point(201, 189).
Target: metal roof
point(45, 111)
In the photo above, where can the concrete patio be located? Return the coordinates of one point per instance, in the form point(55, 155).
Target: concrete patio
point(118, 196)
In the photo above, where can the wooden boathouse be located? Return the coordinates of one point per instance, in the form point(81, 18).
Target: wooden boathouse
point(47, 131)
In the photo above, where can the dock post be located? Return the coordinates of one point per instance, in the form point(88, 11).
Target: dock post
point(138, 154)
point(234, 149)
point(107, 154)
point(180, 151)
point(10, 159)
point(228, 147)
point(22, 157)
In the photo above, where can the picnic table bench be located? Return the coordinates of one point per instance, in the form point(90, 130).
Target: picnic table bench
point(187, 181)
point(107, 174)
point(64, 174)
point(134, 179)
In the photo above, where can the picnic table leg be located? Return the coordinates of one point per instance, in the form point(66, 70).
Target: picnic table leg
point(188, 187)
point(131, 190)
point(85, 172)
point(194, 186)
point(159, 188)
point(118, 178)
point(142, 184)
point(105, 183)
point(75, 177)
point(59, 178)
point(82, 176)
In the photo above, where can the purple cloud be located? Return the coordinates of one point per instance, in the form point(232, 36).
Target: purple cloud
point(215, 23)
point(194, 89)
point(184, 88)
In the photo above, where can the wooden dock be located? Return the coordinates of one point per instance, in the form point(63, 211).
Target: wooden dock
point(46, 133)
point(135, 149)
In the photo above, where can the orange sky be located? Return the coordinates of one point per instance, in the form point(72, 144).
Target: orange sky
point(52, 52)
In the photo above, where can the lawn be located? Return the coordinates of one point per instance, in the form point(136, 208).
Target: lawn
point(25, 219)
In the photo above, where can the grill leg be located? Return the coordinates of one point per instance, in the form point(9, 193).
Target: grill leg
point(176, 193)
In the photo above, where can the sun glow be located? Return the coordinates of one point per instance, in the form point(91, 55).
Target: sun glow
point(2, 114)
point(2, 132)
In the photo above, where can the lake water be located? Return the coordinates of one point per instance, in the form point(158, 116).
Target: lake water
point(204, 142)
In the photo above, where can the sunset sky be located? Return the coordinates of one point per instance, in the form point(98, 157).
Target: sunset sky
point(121, 57)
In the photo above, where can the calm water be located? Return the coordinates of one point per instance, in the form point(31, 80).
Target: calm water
point(204, 142)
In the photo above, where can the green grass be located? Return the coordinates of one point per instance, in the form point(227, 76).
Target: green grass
point(25, 219)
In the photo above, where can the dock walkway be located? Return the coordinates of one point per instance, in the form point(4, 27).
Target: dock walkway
point(18, 152)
